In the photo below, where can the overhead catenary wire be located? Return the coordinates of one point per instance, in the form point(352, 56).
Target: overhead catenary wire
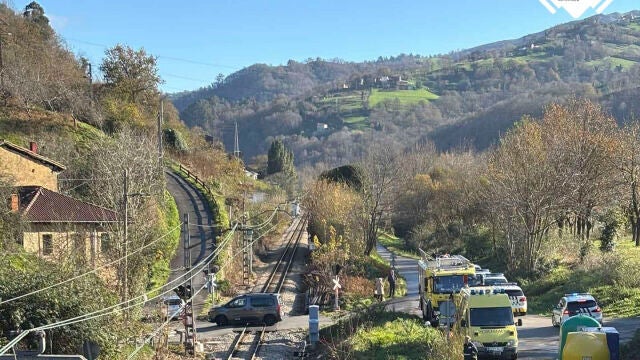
point(117, 307)
point(254, 227)
point(156, 331)
point(94, 270)
point(193, 296)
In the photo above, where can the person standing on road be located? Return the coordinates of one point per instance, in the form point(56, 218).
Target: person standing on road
point(379, 292)
point(392, 283)
point(470, 351)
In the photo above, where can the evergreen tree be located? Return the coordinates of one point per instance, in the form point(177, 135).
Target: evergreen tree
point(280, 159)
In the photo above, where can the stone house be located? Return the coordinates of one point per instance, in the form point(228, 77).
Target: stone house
point(27, 167)
point(57, 226)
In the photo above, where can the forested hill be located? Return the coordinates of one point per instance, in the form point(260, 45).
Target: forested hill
point(463, 98)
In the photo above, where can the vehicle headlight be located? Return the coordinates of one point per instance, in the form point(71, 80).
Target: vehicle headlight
point(511, 343)
point(477, 344)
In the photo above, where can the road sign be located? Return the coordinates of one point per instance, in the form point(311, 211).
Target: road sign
point(336, 288)
point(336, 283)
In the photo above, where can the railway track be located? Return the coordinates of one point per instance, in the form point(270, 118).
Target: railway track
point(241, 347)
point(274, 281)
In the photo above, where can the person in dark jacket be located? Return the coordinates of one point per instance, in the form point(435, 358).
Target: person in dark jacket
point(392, 283)
point(470, 351)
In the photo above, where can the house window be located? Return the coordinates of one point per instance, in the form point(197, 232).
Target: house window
point(47, 244)
point(105, 243)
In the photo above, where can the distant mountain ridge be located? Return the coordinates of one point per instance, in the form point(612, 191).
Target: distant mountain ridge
point(480, 92)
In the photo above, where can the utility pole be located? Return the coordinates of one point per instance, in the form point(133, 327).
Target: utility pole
point(186, 244)
point(89, 75)
point(236, 144)
point(125, 292)
point(160, 122)
point(190, 337)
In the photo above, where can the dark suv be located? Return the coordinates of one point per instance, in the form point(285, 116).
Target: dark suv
point(249, 308)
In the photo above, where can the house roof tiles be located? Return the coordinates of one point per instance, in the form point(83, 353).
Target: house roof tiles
point(56, 166)
point(40, 205)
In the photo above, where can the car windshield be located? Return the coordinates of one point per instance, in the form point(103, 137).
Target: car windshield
point(498, 316)
point(448, 284)
point(581, 306)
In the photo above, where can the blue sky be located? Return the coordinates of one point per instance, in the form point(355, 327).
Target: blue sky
point(197, 40)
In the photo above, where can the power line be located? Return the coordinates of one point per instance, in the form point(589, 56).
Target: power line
point(195, 62)
point(148, 338)
point(187, 78)
point(91, 271)
point(116, 308)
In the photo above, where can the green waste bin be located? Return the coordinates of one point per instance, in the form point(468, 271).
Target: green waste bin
point(573, 324)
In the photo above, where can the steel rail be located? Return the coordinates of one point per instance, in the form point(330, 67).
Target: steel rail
point(297, 230)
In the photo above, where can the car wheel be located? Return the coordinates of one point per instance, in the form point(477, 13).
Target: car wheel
point(270, 320)
point(221, 320)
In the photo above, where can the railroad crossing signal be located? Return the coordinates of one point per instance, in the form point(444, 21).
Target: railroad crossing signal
point(336, 288)
point(336, 283)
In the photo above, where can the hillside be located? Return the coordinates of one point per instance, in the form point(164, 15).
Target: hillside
point(466, 98)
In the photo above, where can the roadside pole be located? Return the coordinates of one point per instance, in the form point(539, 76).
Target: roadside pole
point(336, 288)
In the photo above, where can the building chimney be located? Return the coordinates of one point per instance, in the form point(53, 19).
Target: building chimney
point(14, 203)
point(33, 146)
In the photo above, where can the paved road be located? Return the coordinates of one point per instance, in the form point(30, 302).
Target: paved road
point(538, 339)
point(202, 238)
point(408, 269)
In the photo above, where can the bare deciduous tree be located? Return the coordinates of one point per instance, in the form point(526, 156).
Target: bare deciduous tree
point(628, 163)
point(382, 169)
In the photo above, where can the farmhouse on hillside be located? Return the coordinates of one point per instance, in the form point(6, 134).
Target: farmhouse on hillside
point(57, 226)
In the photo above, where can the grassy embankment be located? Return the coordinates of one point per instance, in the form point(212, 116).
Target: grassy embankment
point(359, 285)
point(376, 334)
point(160, 271)
point(397, 245)
point(611, 278)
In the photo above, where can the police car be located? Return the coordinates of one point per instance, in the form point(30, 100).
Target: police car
point(574, 304)
point(516, 296)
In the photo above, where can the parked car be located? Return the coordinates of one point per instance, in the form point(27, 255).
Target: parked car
point(574, 304)
point(477, 279)
point(249, 308)
point(175, 306)
point(517, 298)
point(494, 279)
